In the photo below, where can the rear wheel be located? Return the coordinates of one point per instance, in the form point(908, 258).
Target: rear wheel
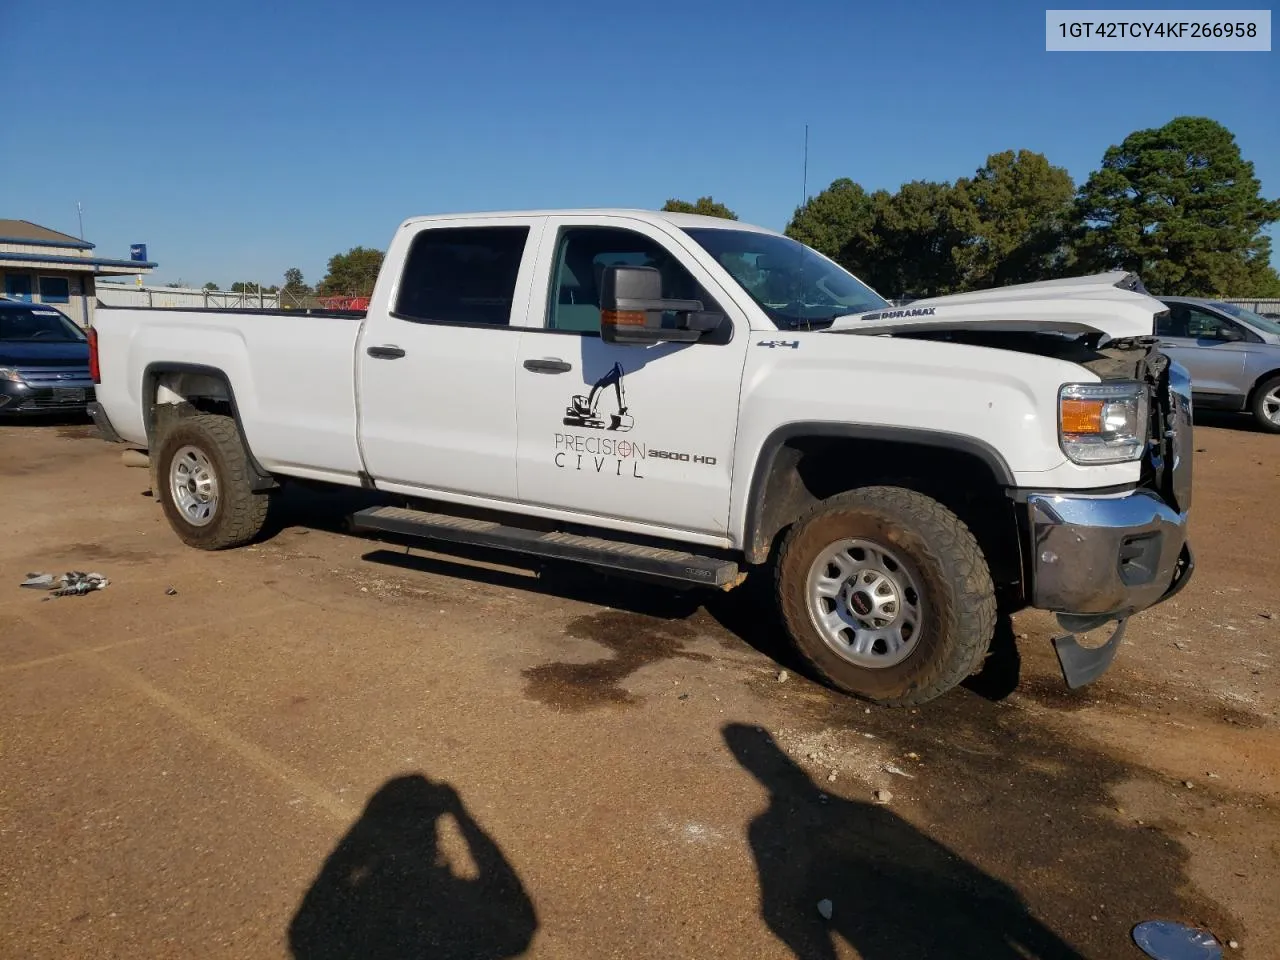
point(204, 483)
point(887, 594)
point(1266, 405)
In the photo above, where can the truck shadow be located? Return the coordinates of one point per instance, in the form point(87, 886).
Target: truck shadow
point(893, 893)
point(748, 612)
point(389, 890)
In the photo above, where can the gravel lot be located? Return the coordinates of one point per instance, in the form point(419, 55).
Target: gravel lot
point(323, 746)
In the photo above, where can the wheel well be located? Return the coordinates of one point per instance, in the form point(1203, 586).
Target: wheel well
point(173, 392)
point(807, 469)
point(1253, 390)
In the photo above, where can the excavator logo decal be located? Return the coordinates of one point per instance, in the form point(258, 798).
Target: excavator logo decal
point(584, 411)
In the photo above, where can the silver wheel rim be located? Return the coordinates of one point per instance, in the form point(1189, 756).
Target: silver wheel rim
point(1271, 405)
point(866, 603)
point(194, 486)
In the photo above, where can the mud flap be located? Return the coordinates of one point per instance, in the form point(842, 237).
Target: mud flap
point(1083, 665)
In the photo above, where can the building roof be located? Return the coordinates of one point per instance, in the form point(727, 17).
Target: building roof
point(24, 231)
point(76, 264)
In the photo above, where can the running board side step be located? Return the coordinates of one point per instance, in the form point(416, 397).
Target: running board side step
point(595, 551)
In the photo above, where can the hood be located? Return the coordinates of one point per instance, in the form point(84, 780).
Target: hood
point(1114, 304)
point(34, 353)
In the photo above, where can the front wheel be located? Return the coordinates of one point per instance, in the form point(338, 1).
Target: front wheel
point(886, 593)
point(202, 478)
point(1266, 405)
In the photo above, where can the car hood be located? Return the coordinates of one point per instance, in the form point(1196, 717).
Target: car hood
point(33, 353)
point(1114, 304)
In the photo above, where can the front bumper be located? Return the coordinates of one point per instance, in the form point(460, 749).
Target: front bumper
point(1105, 557)
point(1101, 559)
point(25, 399)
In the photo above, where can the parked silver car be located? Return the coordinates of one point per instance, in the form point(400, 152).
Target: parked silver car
point(1232, 354)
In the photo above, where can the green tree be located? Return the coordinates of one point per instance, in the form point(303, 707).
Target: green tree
point(839, 222)
point(919, 231)
point(352, 273)
point(705, 206)
point(211, 286)
point(1182, 208)
point(1018, 218)
point(294, 284)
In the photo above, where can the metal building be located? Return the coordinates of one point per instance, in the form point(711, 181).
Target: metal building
point(40, 265)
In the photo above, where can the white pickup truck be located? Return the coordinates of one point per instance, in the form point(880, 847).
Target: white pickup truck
point(686, 398)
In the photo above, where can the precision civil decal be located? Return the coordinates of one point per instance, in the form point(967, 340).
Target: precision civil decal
point(895, 314)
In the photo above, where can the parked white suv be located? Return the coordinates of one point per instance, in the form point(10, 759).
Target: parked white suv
point(688, 398)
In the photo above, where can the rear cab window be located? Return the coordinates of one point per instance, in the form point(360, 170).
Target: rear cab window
point(464, 276)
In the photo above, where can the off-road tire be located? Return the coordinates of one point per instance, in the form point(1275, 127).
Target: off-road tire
point(240, 512)
point(1255, 405)
point(960, 601)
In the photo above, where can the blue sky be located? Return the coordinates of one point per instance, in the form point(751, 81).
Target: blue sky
point(240, 138)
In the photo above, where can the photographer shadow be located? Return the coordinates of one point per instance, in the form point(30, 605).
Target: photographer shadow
point(390, 891)
point(894, 893)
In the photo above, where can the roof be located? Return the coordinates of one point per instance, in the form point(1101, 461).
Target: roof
point(682, 220)
point(24, 231)
point(85, 263)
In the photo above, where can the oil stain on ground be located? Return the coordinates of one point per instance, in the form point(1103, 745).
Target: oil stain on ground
point(635, 641)
point(1025, 802)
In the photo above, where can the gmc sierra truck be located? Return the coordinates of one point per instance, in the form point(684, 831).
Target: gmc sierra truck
point(688, 398)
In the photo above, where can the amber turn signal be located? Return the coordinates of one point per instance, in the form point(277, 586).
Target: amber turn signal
point(1081, 416)
point(624, 318)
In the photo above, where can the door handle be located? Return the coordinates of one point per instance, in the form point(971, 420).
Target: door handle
point(549, 365)
point(388, 352)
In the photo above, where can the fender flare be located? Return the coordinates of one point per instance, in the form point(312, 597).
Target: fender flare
point(756, 539)
point(262, 480)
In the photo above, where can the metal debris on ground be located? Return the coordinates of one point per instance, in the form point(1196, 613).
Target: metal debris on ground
point(72, 584)
point(1170, 940)
point(892, 768)
point(171, 592)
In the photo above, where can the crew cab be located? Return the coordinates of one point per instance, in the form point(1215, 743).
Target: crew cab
point(689, 399)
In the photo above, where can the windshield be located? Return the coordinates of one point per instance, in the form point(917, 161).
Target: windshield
point(40, 324)
point(794, 285)
point(1251, 318)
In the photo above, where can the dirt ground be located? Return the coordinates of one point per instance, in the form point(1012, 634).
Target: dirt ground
point(323, 746)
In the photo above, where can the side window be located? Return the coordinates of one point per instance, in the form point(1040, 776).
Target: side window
point(464, 275)
point(1204, 325)
point(581, 256)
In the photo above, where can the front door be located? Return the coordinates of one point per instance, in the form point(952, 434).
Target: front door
point(1211, 347)
point(626, 435)
point(437, 365)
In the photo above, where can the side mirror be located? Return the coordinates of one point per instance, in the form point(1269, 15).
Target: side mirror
point(631, 309)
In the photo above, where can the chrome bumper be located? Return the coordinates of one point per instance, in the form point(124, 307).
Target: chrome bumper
point(1105, 558)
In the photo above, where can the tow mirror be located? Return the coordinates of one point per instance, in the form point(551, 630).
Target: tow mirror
point(631, 309)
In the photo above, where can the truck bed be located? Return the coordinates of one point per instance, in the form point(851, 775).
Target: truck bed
point(291, 375)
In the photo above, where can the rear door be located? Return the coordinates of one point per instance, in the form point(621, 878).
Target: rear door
point(628, 436)
point(437, 359)
point(1211, 347)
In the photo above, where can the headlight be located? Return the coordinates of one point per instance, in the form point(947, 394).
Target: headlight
point(8, 373)
point(1102, 422)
